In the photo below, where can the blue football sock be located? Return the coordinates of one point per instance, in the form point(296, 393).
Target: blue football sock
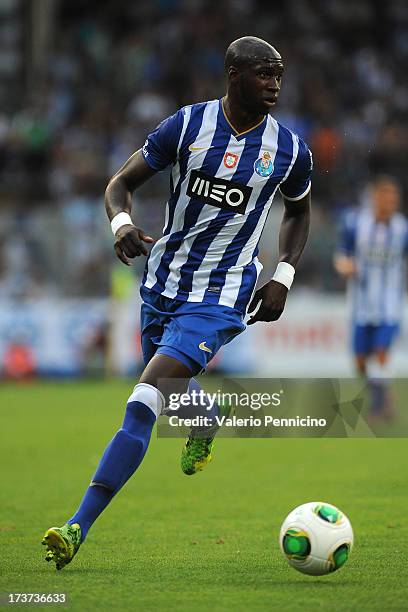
point(92, 505)
point(122, 456)
point(378, 390)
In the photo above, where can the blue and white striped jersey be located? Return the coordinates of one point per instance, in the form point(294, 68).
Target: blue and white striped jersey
point(379, 249)
point(222, 186)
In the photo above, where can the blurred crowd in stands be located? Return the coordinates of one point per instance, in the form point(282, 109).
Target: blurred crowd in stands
point(115, 69)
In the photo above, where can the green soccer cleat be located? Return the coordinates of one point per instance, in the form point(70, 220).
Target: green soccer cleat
point(196, 454)
point(62, 544)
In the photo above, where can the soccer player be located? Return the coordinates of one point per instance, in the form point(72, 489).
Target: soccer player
point(373, 244)
point(228, 158)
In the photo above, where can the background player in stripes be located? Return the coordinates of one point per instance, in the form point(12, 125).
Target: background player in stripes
point(228, 158)
point(372, 250)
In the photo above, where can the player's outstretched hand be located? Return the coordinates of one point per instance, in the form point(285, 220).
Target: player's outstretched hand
point(129, 243)
point(344, 265)
point(272, 297)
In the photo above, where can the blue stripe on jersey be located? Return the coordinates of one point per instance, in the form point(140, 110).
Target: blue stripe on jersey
point(384, 273)
point(249, 278)
point(364, 264)
point(211, 163)
point(145, 270)
point(190, 134)
point(363, 283)
point(201, 243)
point(233, 251)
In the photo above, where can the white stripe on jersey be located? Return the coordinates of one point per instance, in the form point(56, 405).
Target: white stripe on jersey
point(175, 174)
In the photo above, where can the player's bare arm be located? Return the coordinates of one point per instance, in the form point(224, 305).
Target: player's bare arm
point(118, 199)
point(293, 236)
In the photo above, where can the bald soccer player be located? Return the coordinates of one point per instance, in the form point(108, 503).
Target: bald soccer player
point(228, 157)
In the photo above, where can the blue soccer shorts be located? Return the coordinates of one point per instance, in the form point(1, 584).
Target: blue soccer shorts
point(368, 339)
point(191, 332)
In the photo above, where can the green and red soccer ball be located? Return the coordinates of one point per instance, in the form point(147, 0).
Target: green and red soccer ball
point(316, 538)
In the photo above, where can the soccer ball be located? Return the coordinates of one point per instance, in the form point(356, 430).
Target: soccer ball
point(316, 538)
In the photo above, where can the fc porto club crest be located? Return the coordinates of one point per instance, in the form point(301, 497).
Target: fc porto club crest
point(264, 165)
point(230, 160)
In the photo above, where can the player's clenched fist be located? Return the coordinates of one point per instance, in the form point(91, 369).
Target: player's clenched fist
point(272, 297)
point(129, 243)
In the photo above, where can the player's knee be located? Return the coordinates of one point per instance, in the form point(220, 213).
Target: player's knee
point(168, 388)
point(168, 374)
point(145, 402)
point(379, 372)
point(381, 357)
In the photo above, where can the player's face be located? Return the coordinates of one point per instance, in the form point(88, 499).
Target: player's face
point(386, 197)
point(260, 85)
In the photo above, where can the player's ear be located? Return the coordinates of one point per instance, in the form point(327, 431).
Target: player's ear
point(232, 73)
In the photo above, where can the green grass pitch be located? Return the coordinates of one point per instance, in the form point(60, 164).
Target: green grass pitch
point(199, 543)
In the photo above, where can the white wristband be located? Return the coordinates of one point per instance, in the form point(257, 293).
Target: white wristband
point(284, 273)
point(122, 218)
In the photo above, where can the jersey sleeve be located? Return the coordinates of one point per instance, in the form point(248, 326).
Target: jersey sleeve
point(347, 234)
point(298, 183)
point(160, 148)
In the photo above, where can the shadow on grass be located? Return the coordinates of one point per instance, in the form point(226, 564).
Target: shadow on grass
point(176, 576)
point(176, 570)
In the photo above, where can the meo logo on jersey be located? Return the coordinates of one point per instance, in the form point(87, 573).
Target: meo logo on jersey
point(218, 192)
